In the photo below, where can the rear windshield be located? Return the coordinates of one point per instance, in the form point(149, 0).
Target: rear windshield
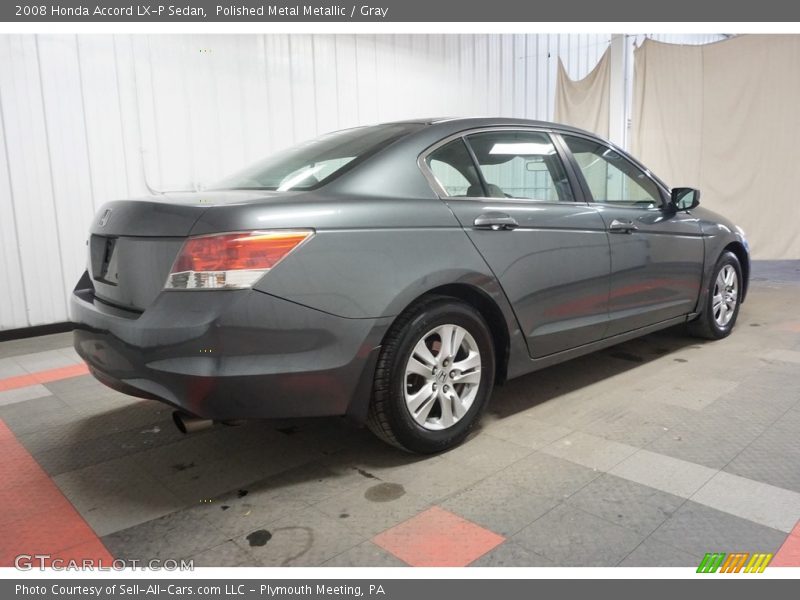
point(312, 163)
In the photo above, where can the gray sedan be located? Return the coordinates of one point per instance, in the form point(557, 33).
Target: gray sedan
point(395, 274)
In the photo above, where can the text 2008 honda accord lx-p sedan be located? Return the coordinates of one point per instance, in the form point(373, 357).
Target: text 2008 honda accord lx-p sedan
point(395, 273)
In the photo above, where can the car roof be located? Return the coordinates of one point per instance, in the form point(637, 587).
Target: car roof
point(477, 122)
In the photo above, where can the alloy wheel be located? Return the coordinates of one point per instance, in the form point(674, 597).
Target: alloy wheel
point(442, 377)
point(726, 295)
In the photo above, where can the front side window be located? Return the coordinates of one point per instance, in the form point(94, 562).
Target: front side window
point(611, 177)
point(520, 164)
point(312, 163)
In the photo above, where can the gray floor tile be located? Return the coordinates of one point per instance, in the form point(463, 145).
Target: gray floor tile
point(43, 361)
point(590, 451)
point(203, 479)
point(372, 458)
point(756, 405)
point(314, 482)
point(523, 430)
point(437, 479)
point(626, 503)
point(83, 453)
point(245, 509)
point(373, 507)
point(752, 500)
point(787, 356)
point(571, 537)
point(499, 506)
point(116, 495)
point(711, 447)
point(74, 433)
point(698, 529)
point(694, 394)
point(41, 343)
point(22, 394)
point(175, 535)
point(72, 384)
point(656, 554)
point(486, 453)
point(630, 427)
point(365, 554)
point(773, 457)
point(510, 554)
point(111, 418)
point(37, 414)
point(305, 538)
point(548, 476)
point(759, 465)
point(664, 473)
point(10, 367)
point(227, 554)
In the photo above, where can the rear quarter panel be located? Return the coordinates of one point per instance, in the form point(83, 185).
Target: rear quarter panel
point(371, 257)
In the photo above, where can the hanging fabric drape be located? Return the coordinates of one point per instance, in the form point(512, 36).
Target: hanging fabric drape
point(584, 103)
point(725, 118)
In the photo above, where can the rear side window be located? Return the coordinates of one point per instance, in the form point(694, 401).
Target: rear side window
point(454, 170)
point(315, 162)
point(521, 164)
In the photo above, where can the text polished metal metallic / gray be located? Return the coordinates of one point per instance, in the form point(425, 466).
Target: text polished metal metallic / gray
point(395, 273)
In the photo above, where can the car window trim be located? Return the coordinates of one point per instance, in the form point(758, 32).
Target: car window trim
point(663, 190)
point(441, 193)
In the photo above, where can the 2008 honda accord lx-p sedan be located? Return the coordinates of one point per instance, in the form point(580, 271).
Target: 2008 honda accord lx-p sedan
point(395, 273)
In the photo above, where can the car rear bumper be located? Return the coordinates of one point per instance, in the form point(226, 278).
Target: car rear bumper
point(228, 355)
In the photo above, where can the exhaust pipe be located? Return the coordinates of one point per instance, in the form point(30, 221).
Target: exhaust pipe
point(187, 423)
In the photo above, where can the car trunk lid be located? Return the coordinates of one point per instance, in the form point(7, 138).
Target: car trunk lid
point(133, 243)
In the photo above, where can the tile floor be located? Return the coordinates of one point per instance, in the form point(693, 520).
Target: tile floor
point(650, 453)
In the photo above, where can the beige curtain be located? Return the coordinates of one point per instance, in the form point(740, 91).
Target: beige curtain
point(584, 103)
point(725, 118)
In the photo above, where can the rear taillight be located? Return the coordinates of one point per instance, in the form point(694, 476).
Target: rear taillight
point(231, 260)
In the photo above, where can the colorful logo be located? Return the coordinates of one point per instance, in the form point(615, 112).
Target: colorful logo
point(744, 562)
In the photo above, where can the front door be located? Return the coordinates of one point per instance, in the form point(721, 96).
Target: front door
point(656, 253)
point(512, 195)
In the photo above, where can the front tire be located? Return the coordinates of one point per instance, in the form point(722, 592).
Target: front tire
point(723, 300)
point(434, 376)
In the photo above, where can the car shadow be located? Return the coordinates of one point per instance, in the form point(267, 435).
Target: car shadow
point(582, 372)
point(268, 458)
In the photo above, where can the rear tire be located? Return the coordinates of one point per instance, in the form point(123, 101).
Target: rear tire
point(723, 300)
point(434, 376)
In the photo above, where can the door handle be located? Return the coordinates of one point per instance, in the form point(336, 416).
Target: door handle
point(495, 221)
point(618, 226)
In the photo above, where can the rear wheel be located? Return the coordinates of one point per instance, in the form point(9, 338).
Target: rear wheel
point(721, 308)
point(434, 375)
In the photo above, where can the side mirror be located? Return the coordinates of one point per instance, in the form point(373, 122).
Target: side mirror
point(684, 198)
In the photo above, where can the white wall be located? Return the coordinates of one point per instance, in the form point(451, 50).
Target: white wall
point(86, 119)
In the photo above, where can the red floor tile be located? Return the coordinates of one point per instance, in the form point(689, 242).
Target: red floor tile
point(35, 517)
point(12, 383)
point(30, 499)
point(438, 538)
point(19, 381)
point(61, 373)
point(789, 554)
point(92, 550)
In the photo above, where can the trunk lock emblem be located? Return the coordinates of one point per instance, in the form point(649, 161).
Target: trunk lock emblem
point(105, 217)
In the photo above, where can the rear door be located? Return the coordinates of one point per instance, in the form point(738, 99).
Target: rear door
point(656, 254)
point(511, 192)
